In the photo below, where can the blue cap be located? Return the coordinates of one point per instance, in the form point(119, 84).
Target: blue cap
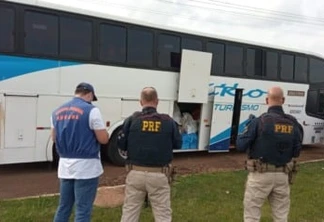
point(89, 87)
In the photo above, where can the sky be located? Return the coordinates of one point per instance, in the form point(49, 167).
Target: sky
point(296, 24)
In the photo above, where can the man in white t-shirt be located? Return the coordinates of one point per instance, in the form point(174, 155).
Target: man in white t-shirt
point(77, 131)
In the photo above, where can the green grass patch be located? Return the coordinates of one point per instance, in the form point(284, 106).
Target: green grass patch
point(204, 197)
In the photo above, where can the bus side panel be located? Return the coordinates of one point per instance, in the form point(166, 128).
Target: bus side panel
point(222, 122)
point(205, 125)
point(20, 129)
point(118, 82)
point(220, 127)
point(29, 75)
point(110, 108)
point(27, 128)
point(46, 105)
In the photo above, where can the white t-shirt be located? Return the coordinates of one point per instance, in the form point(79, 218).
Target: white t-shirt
point(72, 168)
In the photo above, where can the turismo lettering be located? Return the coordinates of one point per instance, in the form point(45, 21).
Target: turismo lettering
point(226, 90)
point(244, 107)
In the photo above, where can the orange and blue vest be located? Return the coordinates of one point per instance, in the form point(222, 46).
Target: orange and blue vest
point(74, 138)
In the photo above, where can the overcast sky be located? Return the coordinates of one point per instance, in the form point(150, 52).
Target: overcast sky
point(292, 23)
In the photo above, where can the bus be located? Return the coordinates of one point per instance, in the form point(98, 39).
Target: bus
point(212, 84)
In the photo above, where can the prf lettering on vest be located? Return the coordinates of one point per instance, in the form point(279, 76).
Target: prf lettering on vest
point(283, 128)
point(151, 126)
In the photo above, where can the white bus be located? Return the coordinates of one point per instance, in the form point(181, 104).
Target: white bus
point(46, 49)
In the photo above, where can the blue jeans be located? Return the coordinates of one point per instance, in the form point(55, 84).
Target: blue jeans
point(80, 192)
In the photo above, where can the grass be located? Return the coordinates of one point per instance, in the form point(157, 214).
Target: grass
point(205, 197)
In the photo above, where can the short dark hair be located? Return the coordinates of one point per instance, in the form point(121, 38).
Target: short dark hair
point(149, 94)
point(84, 88)
point(81, 91)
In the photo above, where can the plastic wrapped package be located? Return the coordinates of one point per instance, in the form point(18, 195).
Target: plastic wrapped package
point(189, 125)
point(189, 135)
point(189, 141)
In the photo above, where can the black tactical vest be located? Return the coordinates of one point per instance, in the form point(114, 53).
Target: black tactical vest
point(275, 137)
point(150, 139)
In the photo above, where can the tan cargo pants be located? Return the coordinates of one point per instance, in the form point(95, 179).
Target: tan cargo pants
point(138, 183)
point(271, 185)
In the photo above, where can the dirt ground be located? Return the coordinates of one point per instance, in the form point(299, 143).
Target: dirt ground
point(38, 179)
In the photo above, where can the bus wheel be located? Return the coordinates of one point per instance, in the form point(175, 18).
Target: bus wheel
point(116, 156)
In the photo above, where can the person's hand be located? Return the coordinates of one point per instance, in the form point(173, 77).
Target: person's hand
point(251, 117)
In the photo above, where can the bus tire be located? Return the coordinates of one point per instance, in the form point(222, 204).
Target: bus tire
point(116, 156)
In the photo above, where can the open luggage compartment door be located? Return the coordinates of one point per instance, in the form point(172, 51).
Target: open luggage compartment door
point(194, 76)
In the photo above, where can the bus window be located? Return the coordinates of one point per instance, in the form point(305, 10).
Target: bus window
point(271, 65)
point(41, 33)
point(287, 67)
point(321, 102)
point(7, 24)
point(316, 70)
point(234, 60)
point(75, 38)
point(218, 57)
point(112, 43)
point(254, 62)
point(300, 69)
point(311, 105)
point(193, 44)
point(168, 51)
point(140, 47)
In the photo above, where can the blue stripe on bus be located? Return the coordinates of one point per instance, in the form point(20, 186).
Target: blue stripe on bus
point(222, 140)
point(220, 145)
point(13, 66)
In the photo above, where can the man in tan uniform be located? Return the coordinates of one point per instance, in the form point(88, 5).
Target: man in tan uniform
point(271, 141)
point(149, 138)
